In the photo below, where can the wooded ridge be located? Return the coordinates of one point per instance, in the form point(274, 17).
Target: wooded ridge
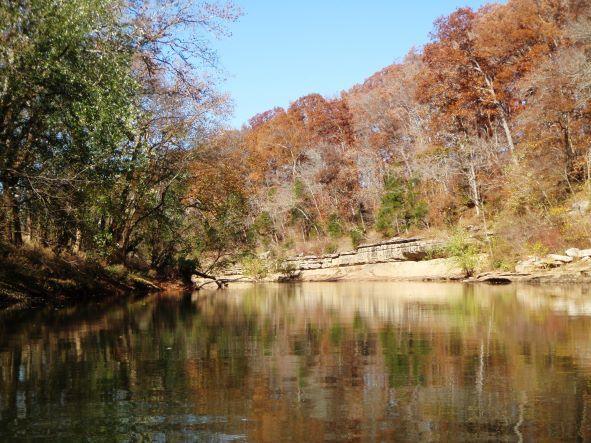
point(113, 146)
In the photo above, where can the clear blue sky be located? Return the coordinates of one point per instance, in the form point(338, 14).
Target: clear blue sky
point(283, 49)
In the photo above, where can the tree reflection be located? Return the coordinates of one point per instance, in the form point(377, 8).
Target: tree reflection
point(306, 362)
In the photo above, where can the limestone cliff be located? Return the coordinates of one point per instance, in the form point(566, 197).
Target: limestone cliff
point(394, 259)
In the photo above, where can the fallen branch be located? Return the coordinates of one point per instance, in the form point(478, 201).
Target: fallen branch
point(221, 283)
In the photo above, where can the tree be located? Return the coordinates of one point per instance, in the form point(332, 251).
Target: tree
point(105, 104)
point(401, 206)
point(178, 110)
point(388, 116)
point(217, 203)
point(66, 101)
point(556, 113)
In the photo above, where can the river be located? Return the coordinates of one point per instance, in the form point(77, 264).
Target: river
point(306, 362)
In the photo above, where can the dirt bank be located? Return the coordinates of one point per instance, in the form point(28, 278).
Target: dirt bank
point(33, 277)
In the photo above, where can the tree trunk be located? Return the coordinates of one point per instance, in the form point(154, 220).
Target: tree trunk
point(12, 223)
point(569, 152)
point(76, 248)
point(474, 187)
point(123, 246)
point(502, 113)
point(588, 161)
point(361, 217)
point(221, 283)
point(507, 133)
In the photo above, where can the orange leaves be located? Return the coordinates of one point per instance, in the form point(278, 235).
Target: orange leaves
point(218, 173)
point(264, 117)
point(325, 120)
point(513, 38)
point(276, 140)
point(453, 115)
point(454, 78)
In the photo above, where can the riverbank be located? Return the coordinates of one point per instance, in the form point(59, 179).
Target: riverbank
point(410, 259)
point(35, 277)
point(31, 277)
point(390, 260)
point(547, 272)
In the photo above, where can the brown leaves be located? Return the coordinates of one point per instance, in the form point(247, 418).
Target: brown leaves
point(486, 93)
point(219, 172)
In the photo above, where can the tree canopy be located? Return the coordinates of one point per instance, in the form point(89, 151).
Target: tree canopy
point(112, 141)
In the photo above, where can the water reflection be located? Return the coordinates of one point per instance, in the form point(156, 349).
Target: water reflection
point(310, 362)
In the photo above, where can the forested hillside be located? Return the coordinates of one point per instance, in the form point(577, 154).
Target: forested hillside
point(486, 127)
point(112, 144)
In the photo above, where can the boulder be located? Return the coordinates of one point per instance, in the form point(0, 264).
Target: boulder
point(573, 252)
point(580, 207)
point(530, 265)
point(585, 253)
point(559, 258)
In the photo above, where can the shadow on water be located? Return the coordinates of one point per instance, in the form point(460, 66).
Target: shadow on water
point(329, 361)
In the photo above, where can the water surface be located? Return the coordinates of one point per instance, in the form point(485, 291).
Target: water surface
point(309, 362)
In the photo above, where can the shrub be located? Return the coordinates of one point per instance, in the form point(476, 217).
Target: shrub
point(434, 252)
point(357, 236)
point(117, 271)
point(531, 233)
point(538, 249)
point(284, 268)
point(502, 254)
point(255, 267)
point(330, 248)
point(462, 248)
point(334, 227)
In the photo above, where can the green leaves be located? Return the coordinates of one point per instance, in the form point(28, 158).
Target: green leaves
point(69, 85)
point(401, 207)
point(68, 101)
point(463, 249)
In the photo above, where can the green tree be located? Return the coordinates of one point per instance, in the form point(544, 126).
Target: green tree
point(66, 101)
point(101, 116)
point(401, 206)
point(334, 226)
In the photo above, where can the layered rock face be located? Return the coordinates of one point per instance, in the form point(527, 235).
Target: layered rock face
point(395, 259)
point(411, 259)
point(396, 249)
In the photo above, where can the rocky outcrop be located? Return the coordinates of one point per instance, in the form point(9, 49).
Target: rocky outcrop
point(394, 259)
point(396, 249)
point(410, 270)
point(572, 267)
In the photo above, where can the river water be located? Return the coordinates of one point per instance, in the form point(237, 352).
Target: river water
point(308, 362)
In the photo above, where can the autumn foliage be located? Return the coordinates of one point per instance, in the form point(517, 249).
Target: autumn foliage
point(487, 122)
point(487, 126)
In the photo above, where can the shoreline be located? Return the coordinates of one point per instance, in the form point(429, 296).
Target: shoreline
point(413, 259)
point(391, 272)
point(108, 298)
point(32, 278)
